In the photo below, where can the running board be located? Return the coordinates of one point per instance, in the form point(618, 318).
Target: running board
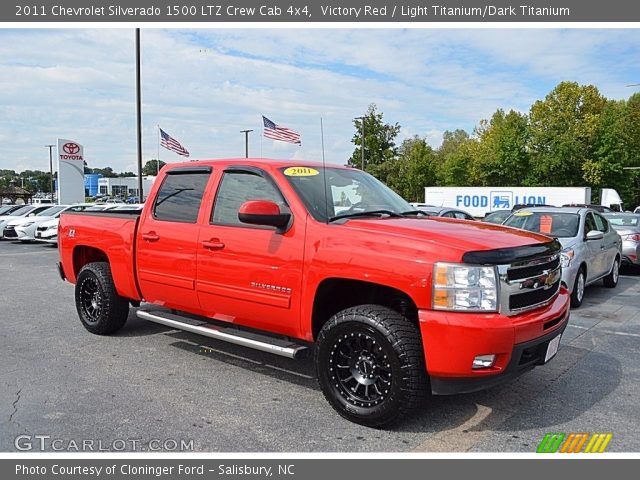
point(256, 341)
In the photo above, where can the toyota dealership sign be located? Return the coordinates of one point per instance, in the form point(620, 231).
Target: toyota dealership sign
point(70, 172)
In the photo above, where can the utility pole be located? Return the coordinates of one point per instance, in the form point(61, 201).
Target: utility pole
point(51, 169)
point(361, 138)
point(139, 115)
point(246, 142)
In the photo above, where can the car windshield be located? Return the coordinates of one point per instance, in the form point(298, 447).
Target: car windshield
point(22, 211)
point(349, 192)
point(50, 212)
point(554, 224)
point(6, 208)
point(623, 220)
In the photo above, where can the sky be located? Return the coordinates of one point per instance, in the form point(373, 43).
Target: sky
point(204, 86)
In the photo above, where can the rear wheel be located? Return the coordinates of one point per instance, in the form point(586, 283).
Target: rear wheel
point(611, 280)
point(370, 365)
point(101, 310)
point(577, 295)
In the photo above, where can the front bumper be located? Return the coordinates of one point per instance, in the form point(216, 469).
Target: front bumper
point(451, 341)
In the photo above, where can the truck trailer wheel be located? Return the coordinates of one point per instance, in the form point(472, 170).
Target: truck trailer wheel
point(370, 365)
point(101, 310)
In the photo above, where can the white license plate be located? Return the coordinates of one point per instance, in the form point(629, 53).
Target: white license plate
point(552, 348)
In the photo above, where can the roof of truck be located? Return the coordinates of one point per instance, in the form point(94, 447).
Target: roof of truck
point(275, 163)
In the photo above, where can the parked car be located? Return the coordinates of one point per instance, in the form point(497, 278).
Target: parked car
point(24, 211)
point(628, 227)
point(24, 229)
point(443, 211)
point(497, 216)
point(520, 206)
point(591, 249)
point(393, 304)
point(47, 232)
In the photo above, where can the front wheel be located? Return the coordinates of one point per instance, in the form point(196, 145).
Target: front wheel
point(611, 280)
point(101, 310)
point(370, 365)
point(577, 295)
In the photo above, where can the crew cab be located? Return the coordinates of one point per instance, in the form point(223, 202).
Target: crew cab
point(297, 257)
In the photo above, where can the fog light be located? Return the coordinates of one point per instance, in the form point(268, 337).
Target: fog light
point(483, 361)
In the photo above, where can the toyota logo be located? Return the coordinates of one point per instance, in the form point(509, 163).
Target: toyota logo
point(71, 148)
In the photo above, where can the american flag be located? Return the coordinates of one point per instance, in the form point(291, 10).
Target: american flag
point(276, 132)
point(170, 143)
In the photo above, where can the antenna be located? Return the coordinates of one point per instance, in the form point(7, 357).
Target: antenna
point(324, 174)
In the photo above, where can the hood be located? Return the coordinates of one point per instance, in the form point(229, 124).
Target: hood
point(50, 223)
point(456, 236)
point(24, 220)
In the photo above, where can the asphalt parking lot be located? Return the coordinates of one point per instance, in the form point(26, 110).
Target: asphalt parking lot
point(152, 383)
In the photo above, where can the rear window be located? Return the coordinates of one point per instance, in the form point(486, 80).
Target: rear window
point(554, 224)
point(180, 197)
point(623, 220)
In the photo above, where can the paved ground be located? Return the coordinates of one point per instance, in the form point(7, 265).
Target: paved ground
point(152, 383)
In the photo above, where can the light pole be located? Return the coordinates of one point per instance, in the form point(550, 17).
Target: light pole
point(50, 147)
point(139, 115)
point(246, 142)
point(361, 138)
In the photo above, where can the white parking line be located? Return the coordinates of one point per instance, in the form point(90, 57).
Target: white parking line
point(578, 326)
point(610, 332)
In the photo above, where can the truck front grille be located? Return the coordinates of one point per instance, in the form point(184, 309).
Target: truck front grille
point(528, 285)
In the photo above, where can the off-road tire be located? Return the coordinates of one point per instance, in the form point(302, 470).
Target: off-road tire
point(377, 334)
point(101, 310)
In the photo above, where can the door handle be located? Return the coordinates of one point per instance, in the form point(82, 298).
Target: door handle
point(213, 244)
point(150, 237)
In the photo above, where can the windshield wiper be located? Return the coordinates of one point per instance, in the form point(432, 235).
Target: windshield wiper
point(370, 213)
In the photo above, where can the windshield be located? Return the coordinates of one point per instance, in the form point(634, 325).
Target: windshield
point(554, 224)
point(22, 211)
point(50, 212)
point(348, 191)
point(623, 220)
point(5, 209)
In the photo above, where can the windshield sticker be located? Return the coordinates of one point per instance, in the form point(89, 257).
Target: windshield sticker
point(301, 172)
point(545, 223)
point(522, 214)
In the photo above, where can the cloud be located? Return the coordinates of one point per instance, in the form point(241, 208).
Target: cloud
point(204, 86)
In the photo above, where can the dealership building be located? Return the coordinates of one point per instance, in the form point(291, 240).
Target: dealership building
point(123, 186)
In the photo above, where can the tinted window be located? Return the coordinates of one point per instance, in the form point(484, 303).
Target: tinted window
point(180, 197)
point(237, 188)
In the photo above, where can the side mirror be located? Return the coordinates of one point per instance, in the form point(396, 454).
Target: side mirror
point(595, 235)
point(263, 212)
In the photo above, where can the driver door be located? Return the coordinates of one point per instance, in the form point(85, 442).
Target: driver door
point(250, 274)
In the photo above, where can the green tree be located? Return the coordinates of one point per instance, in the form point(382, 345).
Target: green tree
point(503, 157)
point(456, 158)
point(563, 128)
point(151, 167)
point(416, 169)
point(379, 144)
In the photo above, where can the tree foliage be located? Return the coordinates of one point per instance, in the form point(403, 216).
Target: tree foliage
point(573, 137)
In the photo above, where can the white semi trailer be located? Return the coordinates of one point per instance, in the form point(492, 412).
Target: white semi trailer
point(479, 201)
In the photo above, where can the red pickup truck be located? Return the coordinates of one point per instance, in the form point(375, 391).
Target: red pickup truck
point(290, 257)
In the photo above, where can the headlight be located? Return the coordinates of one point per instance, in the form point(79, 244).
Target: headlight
point(566, 256)
point(464, 287)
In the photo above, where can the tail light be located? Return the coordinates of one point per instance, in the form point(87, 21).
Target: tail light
point(635, 237)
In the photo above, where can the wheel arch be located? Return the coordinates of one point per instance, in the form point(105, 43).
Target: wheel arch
point(335, 294)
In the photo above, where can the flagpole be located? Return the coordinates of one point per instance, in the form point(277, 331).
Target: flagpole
point(158, 156)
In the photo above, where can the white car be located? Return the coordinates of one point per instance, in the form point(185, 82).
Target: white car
point(22, 212)
point(47, 232)
point(24, 229)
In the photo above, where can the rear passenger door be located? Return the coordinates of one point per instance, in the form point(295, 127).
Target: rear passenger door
point(609, 244)
point(594, 248)
point(250, 274)
point(167, 239)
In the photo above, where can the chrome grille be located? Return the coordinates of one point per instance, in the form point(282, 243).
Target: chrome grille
point(528, 285)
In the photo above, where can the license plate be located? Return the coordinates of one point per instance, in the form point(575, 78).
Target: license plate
point(552, 348)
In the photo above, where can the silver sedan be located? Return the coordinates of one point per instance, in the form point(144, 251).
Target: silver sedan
point(591, 248)
point(628, 226)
